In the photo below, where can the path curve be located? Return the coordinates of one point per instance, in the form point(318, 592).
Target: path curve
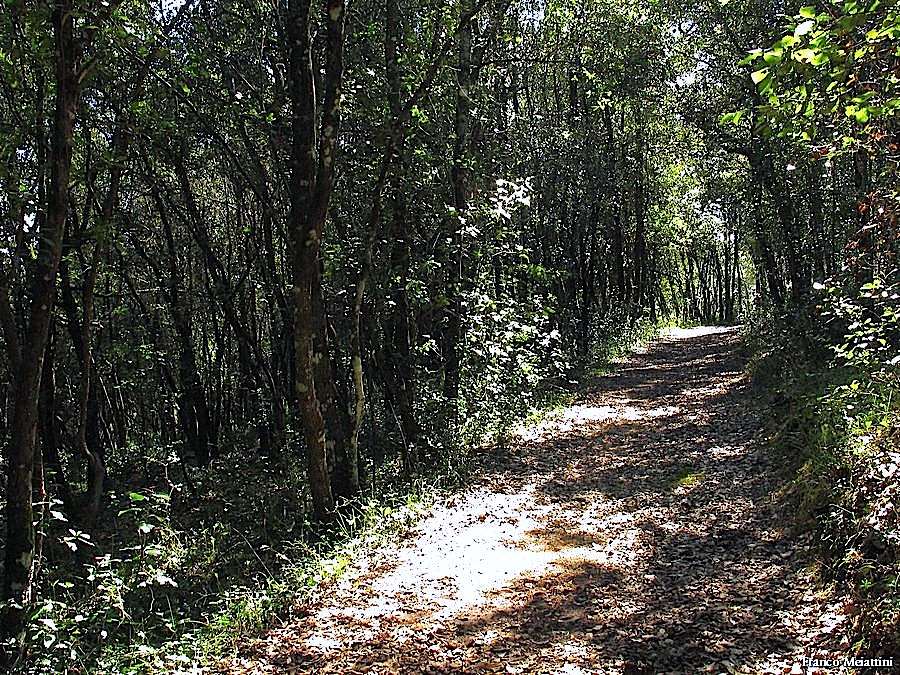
point(636, 531)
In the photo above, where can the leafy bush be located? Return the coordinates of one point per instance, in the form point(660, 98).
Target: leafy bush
point(835, 377)
point(512, 350)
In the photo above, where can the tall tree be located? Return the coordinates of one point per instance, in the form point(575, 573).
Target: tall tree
point(314, 146)
point(28, 357)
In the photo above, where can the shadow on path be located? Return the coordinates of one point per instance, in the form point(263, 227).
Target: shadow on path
point(635, 532)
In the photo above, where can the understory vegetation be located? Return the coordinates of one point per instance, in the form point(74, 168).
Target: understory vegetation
point(830, 363)
point(270, 271)
point(832, 380)
point(196, 564)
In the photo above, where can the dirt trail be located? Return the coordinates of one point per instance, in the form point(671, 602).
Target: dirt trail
point(635, 532)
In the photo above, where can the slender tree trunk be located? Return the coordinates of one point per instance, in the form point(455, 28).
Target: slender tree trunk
point(48, 427)
point(312, 180)
point(19, 553)
point(193, 410)
point(460, 176)
point(398, 332)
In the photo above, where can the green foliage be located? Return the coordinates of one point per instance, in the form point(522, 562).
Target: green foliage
point(688, 479)
point(834, 379)
point(106, 599)
point(573, 198)
point(829, 91)
point(512, 351)
point(831, 76)
point(177, 596)
point(870, 321)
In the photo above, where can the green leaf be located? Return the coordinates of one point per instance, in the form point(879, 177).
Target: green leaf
point(759, 75)
point(136, 496)
point(751, 57)
point(773, 56)
point(808, 12)
point(732, 117)
point(861, 114)
point(786, 41)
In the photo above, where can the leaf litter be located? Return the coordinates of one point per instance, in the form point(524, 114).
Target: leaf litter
point(637, 531)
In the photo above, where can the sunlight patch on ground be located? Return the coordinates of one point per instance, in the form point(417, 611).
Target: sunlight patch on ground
point(567, 420)
point(726, 451)
point(585, 413)
point(581, 414)
point(322, 643)
point(576, 416)
point(699, 331)
point(461, 554)
point(466, 555)
point(621, 551)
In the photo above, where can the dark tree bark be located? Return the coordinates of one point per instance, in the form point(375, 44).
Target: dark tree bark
point(20, 542)
point(312, 180)
point(398, 327)
point(454, 334)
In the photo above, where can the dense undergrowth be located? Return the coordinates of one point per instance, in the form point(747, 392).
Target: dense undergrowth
point(182, 574)
point(832, 376)
point(182, 570)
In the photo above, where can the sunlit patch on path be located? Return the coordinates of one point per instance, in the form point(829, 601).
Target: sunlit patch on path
point(634, 532)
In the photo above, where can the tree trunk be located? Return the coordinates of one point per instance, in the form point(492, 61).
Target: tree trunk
point(312, 180)
point(397, 331)
point(460, 177)
point(19, 553)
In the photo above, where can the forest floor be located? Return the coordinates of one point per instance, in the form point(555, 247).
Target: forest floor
point(637, 531)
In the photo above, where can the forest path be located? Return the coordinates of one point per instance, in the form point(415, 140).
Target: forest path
point(634, 532)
